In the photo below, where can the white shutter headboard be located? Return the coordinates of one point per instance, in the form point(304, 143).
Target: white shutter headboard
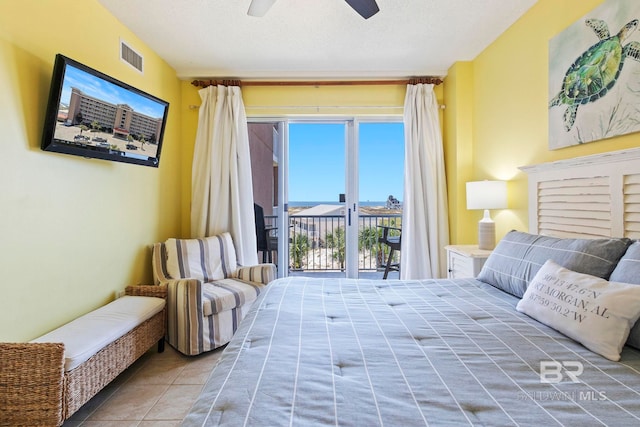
point(592, 196)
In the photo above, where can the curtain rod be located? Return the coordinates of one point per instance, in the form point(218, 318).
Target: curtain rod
point(319, 107)
point(229, 82)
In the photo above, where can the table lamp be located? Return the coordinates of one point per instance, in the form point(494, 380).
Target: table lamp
point(486, 195)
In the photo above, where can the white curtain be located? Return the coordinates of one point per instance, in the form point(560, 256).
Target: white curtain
point(425, 224)
point(222, 190)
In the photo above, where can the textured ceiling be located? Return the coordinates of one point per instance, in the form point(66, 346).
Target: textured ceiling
point(316, 39)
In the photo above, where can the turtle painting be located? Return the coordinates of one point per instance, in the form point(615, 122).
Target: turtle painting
point(596, 71)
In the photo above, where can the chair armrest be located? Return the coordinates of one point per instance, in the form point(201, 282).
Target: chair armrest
point(261, 273)
point(386, 237)
point(31, 383)
point(159, 291)
point(185, 314)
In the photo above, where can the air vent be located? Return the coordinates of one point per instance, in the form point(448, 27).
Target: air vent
point(131, 57)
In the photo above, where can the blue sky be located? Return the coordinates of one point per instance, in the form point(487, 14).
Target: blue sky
point(317, 161)
point(106, 91)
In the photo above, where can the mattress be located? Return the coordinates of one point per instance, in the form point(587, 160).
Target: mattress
point(348, 352)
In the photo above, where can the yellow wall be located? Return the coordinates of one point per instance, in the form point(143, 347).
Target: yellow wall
point(73, 230)
point(458, 140)
point(510, 116)
point(190, 102)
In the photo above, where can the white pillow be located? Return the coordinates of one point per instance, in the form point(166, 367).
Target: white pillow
point(597, 313)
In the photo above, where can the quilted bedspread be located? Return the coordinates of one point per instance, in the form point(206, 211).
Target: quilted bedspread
point(342, 352)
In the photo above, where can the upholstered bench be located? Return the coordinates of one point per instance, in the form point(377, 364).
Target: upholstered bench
point(45, 381)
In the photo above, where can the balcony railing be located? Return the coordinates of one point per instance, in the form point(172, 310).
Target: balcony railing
point(317, 242)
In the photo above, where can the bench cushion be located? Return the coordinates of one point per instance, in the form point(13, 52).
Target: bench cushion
point(227, 294)
point(88, 334)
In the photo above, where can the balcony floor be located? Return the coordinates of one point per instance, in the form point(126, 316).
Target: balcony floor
point(337, 274)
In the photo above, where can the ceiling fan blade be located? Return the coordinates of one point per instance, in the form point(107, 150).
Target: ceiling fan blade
point(366, 8)
point(259, 8)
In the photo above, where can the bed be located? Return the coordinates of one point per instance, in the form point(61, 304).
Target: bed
point(484, 351)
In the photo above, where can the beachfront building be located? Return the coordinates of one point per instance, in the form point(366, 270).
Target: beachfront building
point(316, 221)
point(121, 118)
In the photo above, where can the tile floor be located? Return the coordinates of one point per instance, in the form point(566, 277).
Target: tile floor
point(158, 390)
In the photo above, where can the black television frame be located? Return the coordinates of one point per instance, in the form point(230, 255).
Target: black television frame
point(138, 141)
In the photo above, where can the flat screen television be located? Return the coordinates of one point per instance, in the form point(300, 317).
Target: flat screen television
point(92, 115)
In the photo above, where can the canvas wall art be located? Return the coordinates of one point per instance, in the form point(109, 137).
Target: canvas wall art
point(594, 76)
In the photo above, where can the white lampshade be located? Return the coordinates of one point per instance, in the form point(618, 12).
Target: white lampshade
point(486, 195)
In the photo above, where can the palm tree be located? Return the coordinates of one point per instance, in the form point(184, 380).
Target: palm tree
point(367, 240)
point(299, 248)
point(337, 241)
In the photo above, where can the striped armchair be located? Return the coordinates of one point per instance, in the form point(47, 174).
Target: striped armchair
point(208, 294)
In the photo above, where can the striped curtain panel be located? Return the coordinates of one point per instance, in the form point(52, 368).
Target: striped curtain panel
point(222, 191)
point(425, 224)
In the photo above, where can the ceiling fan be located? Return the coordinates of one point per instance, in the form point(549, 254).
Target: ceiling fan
point(366, 8)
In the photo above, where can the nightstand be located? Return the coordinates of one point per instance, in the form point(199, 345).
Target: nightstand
point(465, 260)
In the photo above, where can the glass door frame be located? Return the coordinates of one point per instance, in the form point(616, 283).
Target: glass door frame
point(352, 205)
point(352, 183)
point(347, 122)
point(352, 211)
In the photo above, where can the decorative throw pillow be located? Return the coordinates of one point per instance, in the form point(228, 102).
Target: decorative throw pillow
point(206, 259)
point(628, 268)
point(596, 313)
point(519, 256)
point(628, 271)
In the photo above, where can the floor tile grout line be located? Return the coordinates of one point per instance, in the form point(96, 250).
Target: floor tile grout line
point(119, 387)
point(161, 396)
point(151, 362)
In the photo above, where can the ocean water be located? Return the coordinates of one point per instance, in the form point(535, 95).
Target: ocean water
point(307, 204)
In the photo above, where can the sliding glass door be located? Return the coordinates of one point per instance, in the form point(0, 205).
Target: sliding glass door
point(380, 178)
point(329, 186)
point(318, 213)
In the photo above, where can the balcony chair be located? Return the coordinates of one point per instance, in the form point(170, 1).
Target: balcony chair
point(393, 242)
point(208, 294)
point(265, 238)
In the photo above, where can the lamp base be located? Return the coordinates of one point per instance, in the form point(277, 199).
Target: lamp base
point(486, 233)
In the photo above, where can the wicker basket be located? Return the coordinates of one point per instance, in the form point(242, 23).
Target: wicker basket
point(36, 391)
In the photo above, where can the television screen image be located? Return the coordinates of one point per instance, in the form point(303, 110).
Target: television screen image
point(92, 115)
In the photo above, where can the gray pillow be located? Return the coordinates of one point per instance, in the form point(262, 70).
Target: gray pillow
point(628, 271)
point(628, 268)
point(518, 257)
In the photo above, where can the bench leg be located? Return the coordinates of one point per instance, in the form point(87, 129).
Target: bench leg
point(161, 345)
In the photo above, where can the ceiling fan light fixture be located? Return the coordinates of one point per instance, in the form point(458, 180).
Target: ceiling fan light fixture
point(259, 8)
point(365, 8)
